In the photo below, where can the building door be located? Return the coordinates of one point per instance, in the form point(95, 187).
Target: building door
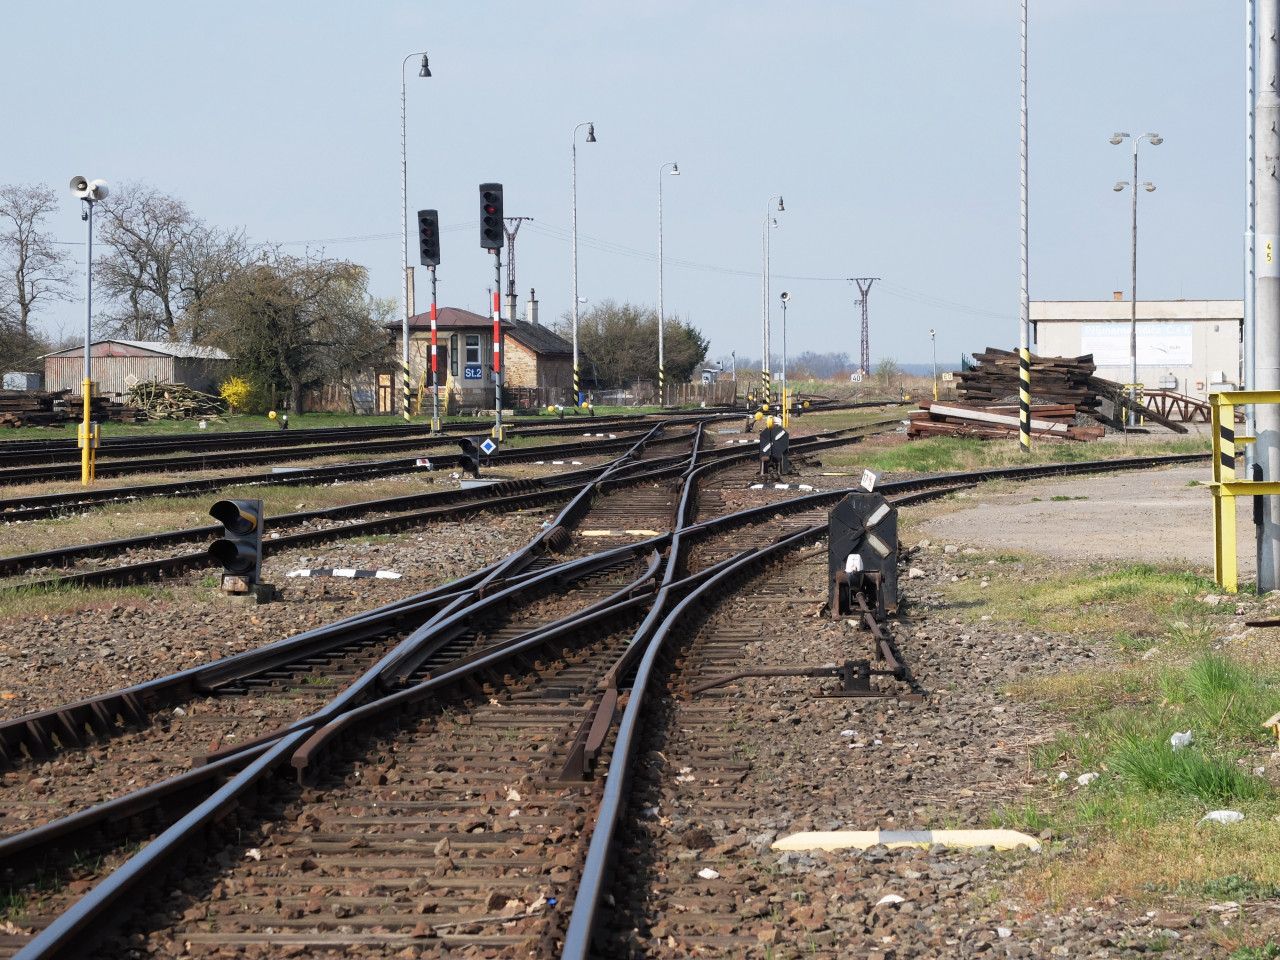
point(386, 394)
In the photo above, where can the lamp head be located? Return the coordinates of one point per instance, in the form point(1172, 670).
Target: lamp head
point(675, 169)
point(1155, 139)
point(1119, 138)
point(425, 69)
point(1120, 185)
point(591, 133)
point(784, 297)
point(780, 206)
point(1149, 187)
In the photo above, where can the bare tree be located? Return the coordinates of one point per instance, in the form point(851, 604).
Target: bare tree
point(163, 264)
point(35, 269)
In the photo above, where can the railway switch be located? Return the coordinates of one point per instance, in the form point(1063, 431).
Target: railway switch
point(862, 555)
point(239, 549)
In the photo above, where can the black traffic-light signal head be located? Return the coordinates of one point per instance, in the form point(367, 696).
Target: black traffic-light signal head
point(239, 549)
point(429, 238)
point(491, 233)
point(470, 447)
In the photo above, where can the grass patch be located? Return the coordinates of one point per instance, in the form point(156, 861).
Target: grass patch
point(22, 603)
point(950, 454)
point(1139, 601)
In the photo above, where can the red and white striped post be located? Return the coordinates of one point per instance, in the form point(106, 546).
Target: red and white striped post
point(497, 348)
point(435, 381)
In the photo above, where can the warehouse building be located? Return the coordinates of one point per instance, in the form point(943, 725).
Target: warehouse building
point(119, 364)
point(1188, 346)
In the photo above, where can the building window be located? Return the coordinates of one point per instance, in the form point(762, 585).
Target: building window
point(473, 348)
point(453, 356)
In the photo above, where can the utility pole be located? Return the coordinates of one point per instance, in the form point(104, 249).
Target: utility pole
point(864, 288)
point(511, 232)
point(1267, 297)
point(1024, 287)
point(1250, 96)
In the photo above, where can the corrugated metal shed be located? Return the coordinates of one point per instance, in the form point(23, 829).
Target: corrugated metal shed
point(118, 364)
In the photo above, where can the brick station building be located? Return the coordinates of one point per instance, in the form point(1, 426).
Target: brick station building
point(537, 363)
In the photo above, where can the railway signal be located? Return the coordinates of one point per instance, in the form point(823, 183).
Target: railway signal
point(239, 549)
point(470, 455)
point(491, 231)
point(862, 555)
point(774, 443)
point(429, 238)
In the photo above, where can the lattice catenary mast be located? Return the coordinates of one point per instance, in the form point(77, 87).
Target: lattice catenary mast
point(864, 288)
point(511, 232)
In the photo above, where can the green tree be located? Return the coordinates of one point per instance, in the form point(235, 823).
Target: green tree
point(888, 374)
point(296, 323)
point(618, 344)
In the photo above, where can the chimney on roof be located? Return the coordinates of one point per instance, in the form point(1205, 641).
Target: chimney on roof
point(532, 314)
point(1117, 295)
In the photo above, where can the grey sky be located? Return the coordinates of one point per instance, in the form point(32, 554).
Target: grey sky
point(890, 126)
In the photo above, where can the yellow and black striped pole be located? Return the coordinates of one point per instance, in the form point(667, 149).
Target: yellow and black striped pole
point(577, 387)
point(1024, 399)
point(662, 384)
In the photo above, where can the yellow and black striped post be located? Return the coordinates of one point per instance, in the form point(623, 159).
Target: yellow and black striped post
point(404, 390)
point(1024, 399)
point(577, 388)
point(1223, 426)
point(662, 385)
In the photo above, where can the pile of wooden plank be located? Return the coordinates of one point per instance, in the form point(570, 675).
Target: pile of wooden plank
point(38, 408)
point(29, 408)
point(174, 401)
point(1054, 380)
point(994, 421)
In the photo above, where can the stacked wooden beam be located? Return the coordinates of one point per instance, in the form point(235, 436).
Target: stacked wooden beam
point(950, 419)
point(1054, 380)
point(28, 408)
point(35, 408)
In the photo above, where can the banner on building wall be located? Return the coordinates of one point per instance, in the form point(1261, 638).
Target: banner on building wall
point(1159, 344)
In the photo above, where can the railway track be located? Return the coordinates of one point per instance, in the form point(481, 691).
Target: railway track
point(52, 451)
point(507, 839)
point(149, 559)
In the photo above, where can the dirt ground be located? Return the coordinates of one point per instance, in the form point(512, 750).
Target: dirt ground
point(1161, 516)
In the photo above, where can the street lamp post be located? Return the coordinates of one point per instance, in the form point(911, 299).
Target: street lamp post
point(764, 282)
point(423, 71)
point(933, 343)
point(573, 217)
point(1155, 140)
point(662, 365)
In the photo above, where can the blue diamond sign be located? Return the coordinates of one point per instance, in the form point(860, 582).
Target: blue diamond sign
point(488, 447)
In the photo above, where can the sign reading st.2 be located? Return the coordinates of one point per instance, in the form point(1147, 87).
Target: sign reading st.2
point(472, 371)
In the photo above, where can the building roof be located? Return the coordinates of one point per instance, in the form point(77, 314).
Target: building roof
point(186, 351)
point(1051, 311)
point(541, 340)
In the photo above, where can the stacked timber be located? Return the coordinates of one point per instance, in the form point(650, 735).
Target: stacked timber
point(996, 421)
point(174, 401)
point(1054, 380)
point(30, 408)
point(102, 409)
point(34, 408)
